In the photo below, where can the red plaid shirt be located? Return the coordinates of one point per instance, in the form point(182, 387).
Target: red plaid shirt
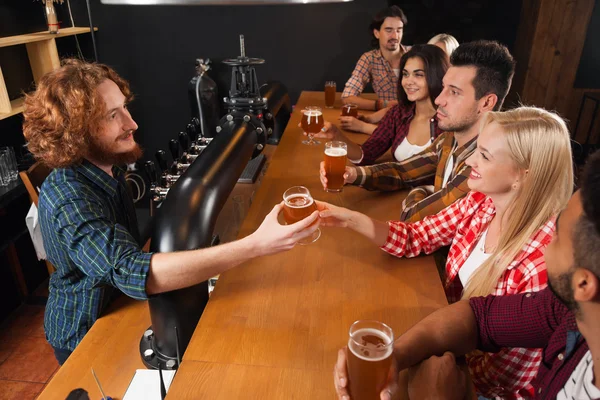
point(533, 320)
point(372, 67)
point(391, 131)
point(509, 372)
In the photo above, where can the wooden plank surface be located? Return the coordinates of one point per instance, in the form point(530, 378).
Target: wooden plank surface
point(292, 311)
point(111, 347)
point(43, 58)
point(273, 326)
point(40, 36)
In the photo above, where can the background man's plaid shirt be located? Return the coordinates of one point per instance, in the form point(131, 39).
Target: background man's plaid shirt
point(90, 234)
point(509, 372)
point(372, 67)
point(422, 169)
point(390, 132)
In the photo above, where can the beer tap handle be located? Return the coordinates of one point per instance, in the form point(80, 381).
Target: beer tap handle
point(174, 148)
point(162, 160)
point(184, 141)
point(197, 128)
point(150, 169)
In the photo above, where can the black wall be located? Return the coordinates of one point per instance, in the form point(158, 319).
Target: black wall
point(154, 47)
point(589, 65)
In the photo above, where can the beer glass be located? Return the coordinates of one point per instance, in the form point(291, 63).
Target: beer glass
point(312, 122)
point(350, 110)
point(299, 204)
point(370, 352)
point(329, 94)
point(335, 165)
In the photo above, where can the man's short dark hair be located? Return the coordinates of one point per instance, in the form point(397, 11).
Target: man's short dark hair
point(377, 21)
point(586, 235)
point(495, 67)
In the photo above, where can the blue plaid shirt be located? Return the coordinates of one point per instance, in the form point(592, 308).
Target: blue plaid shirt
point(90, 234)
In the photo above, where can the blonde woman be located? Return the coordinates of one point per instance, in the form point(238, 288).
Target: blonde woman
point(521, 177)
point(444, 41)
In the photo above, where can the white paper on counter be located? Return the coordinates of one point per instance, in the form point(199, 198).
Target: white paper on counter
point(145, 384)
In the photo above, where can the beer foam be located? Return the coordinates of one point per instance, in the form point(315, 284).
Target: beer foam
point(313, 113)
point(336, 152)
point(293, 196)
point(353, 346)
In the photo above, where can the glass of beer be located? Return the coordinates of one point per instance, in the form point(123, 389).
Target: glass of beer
point(329, 94)
point(312, 122)
point(335, 165)
point(299, 204)
point(350, 110)
point(370, 349)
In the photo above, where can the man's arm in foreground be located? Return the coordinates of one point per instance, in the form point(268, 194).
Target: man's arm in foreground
point(176, 270)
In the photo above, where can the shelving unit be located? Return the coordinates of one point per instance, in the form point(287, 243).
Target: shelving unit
point(43, 58)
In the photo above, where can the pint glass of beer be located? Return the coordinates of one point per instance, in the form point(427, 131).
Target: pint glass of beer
point(299, 204)
point(350, 110)
point(335, 165)
point(312, 122)
point(329, 94)
point(370, 349)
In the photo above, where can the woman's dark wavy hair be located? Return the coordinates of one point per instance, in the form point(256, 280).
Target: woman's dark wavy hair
point(436, 64)
point(377, 21)
point(66, 110)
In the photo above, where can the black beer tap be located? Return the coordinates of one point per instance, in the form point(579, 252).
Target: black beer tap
point(174, 148)
point(150, 169)
point(184, 141)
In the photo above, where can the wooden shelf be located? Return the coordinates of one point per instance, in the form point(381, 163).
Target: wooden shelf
point(43, 58)
point(41, 36)
point(17, 108)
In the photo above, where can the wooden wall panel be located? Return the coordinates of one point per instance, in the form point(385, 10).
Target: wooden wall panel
point(555, 51)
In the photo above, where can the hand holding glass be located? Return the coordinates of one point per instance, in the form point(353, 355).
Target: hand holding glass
point(335, 165)
point(370, 352)
point(312, 122)
point(299, 204)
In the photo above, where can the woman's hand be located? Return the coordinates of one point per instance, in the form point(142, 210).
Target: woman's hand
point(333, 215)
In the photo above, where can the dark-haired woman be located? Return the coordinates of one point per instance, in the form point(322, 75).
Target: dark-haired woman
point(409, 127)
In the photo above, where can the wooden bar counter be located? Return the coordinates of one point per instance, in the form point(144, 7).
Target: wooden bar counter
point(273, 326)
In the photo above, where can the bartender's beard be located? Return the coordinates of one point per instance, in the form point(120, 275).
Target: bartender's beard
point(105, 153)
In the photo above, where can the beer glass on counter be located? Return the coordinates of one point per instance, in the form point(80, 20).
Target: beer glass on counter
point(370, 352)
point(312, 122)
point(335, 165)
point(350, 110)
point(330, 88)
point(299, 204)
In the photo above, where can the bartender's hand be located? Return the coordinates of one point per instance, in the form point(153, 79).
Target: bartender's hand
point(352, 124)
point(328, 132)
point(272, 237)
point(349, 175)
point(340, 379)
point(437, 378)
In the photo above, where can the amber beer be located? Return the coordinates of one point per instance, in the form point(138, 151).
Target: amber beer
point(297, 207)
point(350, 110)
point(370, 349)
point(312, 122)
point(299, 204)
point(330, 87)
point(335, 165)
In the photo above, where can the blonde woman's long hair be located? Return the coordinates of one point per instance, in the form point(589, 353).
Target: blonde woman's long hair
point(538, 142)
point(449, 41)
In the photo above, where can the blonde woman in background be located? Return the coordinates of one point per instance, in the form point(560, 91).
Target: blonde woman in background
point(444, 41)
point(521, 178)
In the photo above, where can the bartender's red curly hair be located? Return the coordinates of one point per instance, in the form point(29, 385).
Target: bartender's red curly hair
point(66, 110)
